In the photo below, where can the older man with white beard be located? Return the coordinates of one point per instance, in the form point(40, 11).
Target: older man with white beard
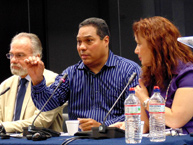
point(16, 106)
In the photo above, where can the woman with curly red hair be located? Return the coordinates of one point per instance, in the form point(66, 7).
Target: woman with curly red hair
point(168, 64)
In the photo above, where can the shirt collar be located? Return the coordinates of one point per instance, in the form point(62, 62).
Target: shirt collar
point(111, 62)
point(27, 78)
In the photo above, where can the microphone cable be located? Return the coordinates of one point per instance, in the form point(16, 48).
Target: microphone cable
point(69, 140)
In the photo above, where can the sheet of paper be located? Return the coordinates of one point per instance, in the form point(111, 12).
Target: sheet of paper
point(64, 134)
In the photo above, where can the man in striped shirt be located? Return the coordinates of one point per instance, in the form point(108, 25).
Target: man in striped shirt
point(93, 84)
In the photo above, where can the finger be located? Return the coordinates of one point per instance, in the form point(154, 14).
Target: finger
point(26, 61)
point(82, 120)
point(115, 125)
point(137, 87)
point(34, 60)
point(38, 59)
point(29, 60)
point(141, 83)
point(85, 128)
point(123, 126)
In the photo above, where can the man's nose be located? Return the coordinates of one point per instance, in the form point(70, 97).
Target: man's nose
point(82, 46)
point(13, 59)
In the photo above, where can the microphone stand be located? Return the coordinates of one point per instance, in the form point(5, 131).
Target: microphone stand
point(103, 131)
point(32, 129)
point(103, 128)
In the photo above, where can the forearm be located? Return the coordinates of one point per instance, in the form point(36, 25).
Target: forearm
point(145, 118)
point(175, 119)
point(41, 93)
point(38, 80)
point(181, 110)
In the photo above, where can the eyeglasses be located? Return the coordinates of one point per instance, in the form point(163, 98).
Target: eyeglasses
point(17, 56)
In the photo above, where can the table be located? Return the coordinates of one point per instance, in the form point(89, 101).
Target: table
point(176, 140)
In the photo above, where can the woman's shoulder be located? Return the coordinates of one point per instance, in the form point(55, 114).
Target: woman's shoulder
point(184, 76)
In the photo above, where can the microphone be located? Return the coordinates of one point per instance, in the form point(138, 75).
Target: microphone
point(32, 128)
point(3, 92)
point(3, 133)
point(103, 131)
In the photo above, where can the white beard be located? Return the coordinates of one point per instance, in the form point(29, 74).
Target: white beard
point(20, 72)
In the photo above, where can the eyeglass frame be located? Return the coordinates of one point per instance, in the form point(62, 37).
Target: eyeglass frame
point(18, 56)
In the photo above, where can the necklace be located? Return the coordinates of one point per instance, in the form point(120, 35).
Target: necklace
point(167, 91)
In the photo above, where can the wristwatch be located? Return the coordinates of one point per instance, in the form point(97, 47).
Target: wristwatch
point(145, 103)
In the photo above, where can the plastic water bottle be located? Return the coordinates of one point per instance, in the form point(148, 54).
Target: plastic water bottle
point(157, 116)
point(133, 133)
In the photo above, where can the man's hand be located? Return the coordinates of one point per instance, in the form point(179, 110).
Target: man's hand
point(87, 123)
point(35, 68)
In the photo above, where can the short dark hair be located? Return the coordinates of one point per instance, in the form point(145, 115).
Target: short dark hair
point(99, 24)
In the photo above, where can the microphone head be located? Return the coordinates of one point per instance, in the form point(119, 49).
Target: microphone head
point(31, 128)
point(63, 78)
point(39, 136)
point(102, 128)
point(2, 129)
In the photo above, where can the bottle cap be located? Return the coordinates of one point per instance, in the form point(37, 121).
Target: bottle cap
point(131, 90)
point(156, 89)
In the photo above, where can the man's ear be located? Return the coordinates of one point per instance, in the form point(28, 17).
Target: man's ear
point(106, 40)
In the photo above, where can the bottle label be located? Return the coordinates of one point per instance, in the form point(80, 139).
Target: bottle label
point(156, 108)
point(132, 109)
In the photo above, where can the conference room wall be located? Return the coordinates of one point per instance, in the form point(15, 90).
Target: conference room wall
point(19, 16)
point(56, 24)
point(14, 19)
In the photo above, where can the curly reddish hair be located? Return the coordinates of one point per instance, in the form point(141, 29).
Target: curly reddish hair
point(161, 36)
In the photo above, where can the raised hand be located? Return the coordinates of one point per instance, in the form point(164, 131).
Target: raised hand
point(141, 91)
point(35, 68)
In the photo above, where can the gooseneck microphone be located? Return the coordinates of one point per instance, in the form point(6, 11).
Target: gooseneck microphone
point(4, 91)
point(102, 128)
point(32, 128)
point(103, 131)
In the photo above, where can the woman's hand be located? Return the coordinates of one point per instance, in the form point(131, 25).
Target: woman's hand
point(141, 91)
point(120, 125)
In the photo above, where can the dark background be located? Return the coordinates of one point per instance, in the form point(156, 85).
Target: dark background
point(56, 24)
